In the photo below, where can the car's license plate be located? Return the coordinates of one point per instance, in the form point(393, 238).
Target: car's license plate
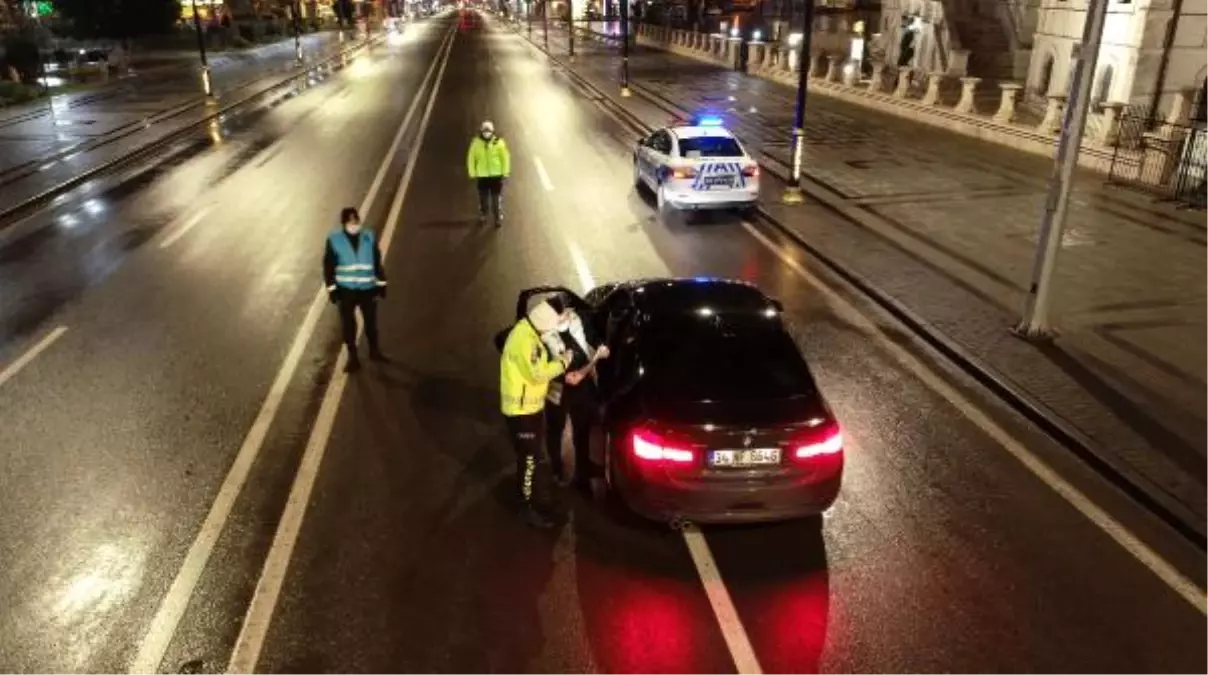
point(719, 182)
point(744, 458)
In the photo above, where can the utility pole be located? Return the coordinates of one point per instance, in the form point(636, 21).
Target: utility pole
point(792, 192)
point(570, 27)
point(1035, 322)
point(206, 85)
point(296, 10)
point(625, 48)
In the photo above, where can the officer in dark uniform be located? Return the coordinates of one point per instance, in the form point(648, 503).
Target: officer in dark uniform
point(572, 395)
point(352, 270)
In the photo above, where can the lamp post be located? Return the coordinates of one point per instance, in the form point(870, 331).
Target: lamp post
point(1035, 322)
point(206, 85)
point(570, 27)
point(295, 11)
point(545, 22)
point(792, 192)
point(625, 48)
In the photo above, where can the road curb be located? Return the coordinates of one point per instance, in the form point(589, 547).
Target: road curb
point(1173, 514)
point(10, 214)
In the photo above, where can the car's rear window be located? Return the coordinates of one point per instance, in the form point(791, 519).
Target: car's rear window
point(743, 358)
point(709, 146)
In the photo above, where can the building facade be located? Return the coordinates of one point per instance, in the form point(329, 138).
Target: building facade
point(1151, 51)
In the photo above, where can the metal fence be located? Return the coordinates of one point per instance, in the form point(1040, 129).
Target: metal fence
point(1170, 160)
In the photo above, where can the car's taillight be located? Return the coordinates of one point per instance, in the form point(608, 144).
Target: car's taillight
point(751, 171)
point(823, 442)
point(683, 172)
point(648, 447)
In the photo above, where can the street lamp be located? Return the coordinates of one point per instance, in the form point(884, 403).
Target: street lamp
point(625, 48)
point(570, 27)
point(206, 85)
point(296, 10)
point(1034, 324)
point(792, 192)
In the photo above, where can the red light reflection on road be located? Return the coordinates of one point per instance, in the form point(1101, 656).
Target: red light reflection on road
point(787, 623)
point(650, 630)
point(750, 271)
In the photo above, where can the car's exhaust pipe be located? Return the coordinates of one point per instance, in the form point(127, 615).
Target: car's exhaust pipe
point(679, 523)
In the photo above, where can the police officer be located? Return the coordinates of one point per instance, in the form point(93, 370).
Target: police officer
point(352, 270)
point(489, 164)
point(572, 395)
point(526, 368)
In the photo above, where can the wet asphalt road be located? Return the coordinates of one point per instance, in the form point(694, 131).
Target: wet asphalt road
point(943, 552)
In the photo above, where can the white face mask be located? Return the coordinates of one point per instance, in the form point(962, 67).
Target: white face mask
point(353, 228)
point(486, 135)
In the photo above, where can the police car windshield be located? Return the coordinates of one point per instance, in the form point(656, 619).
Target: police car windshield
point(709, 146)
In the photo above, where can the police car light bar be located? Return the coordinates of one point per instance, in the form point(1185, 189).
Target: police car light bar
point(709, 121)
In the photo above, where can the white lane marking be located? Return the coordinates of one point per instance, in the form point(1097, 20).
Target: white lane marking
point(723, 607)
point(543, 175)
point(585, 277)
point(1072, 495)
point(172, 607)
point(10, 371)
point(184, 228)
point(272, 578)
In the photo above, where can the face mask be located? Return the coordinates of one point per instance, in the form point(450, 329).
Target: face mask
point(352, 228)
point(486, 135)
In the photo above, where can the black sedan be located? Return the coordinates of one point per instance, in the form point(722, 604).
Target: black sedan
point(709, 412)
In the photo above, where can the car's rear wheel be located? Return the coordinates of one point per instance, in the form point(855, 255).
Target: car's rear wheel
point(638, 183)
point(666, 210)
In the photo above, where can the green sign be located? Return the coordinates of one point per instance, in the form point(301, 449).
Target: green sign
point(41, 8)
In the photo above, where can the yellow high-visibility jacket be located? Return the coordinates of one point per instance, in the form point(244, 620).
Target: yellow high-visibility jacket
point(525, 371)
point(488, 159)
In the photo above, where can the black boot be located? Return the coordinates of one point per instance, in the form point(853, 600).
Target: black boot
point(535, 519)
point(353, 364)
point(376, 354)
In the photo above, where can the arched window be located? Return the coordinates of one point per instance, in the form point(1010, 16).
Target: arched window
point(1046, 76)
point(1103, 90)
point(1199, 112)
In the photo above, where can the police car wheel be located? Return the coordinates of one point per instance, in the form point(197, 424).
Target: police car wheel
point(637, 177)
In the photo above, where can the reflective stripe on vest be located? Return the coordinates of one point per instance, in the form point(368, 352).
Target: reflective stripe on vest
point(354, 268)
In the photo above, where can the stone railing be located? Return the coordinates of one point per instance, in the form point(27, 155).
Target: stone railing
point(891, 92)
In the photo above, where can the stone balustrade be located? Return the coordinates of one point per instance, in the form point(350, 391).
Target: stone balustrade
point(833, 74)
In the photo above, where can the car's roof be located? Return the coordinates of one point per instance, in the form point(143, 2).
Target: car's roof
point(683, 296)
point(700, 132)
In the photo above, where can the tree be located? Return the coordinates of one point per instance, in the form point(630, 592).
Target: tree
point(119, 19)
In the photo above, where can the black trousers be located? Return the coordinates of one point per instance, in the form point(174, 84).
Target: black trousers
point(349, 301)
point(490, 197)
point(578, 404)
point(532, 471)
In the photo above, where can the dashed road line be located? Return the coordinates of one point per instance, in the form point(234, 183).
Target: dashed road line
point(10, 371)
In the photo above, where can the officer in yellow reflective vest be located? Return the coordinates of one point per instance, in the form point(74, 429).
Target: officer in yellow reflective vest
point(489, 164)
point(352, 270)
point(525, 371)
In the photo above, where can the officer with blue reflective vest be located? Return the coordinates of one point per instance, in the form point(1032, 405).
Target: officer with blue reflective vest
point(352, 270)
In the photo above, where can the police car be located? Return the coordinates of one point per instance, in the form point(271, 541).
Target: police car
point(696, 165)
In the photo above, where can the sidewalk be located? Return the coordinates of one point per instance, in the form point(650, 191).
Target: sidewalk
point(48, 144)
point(946, 226)
point(33, 132)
